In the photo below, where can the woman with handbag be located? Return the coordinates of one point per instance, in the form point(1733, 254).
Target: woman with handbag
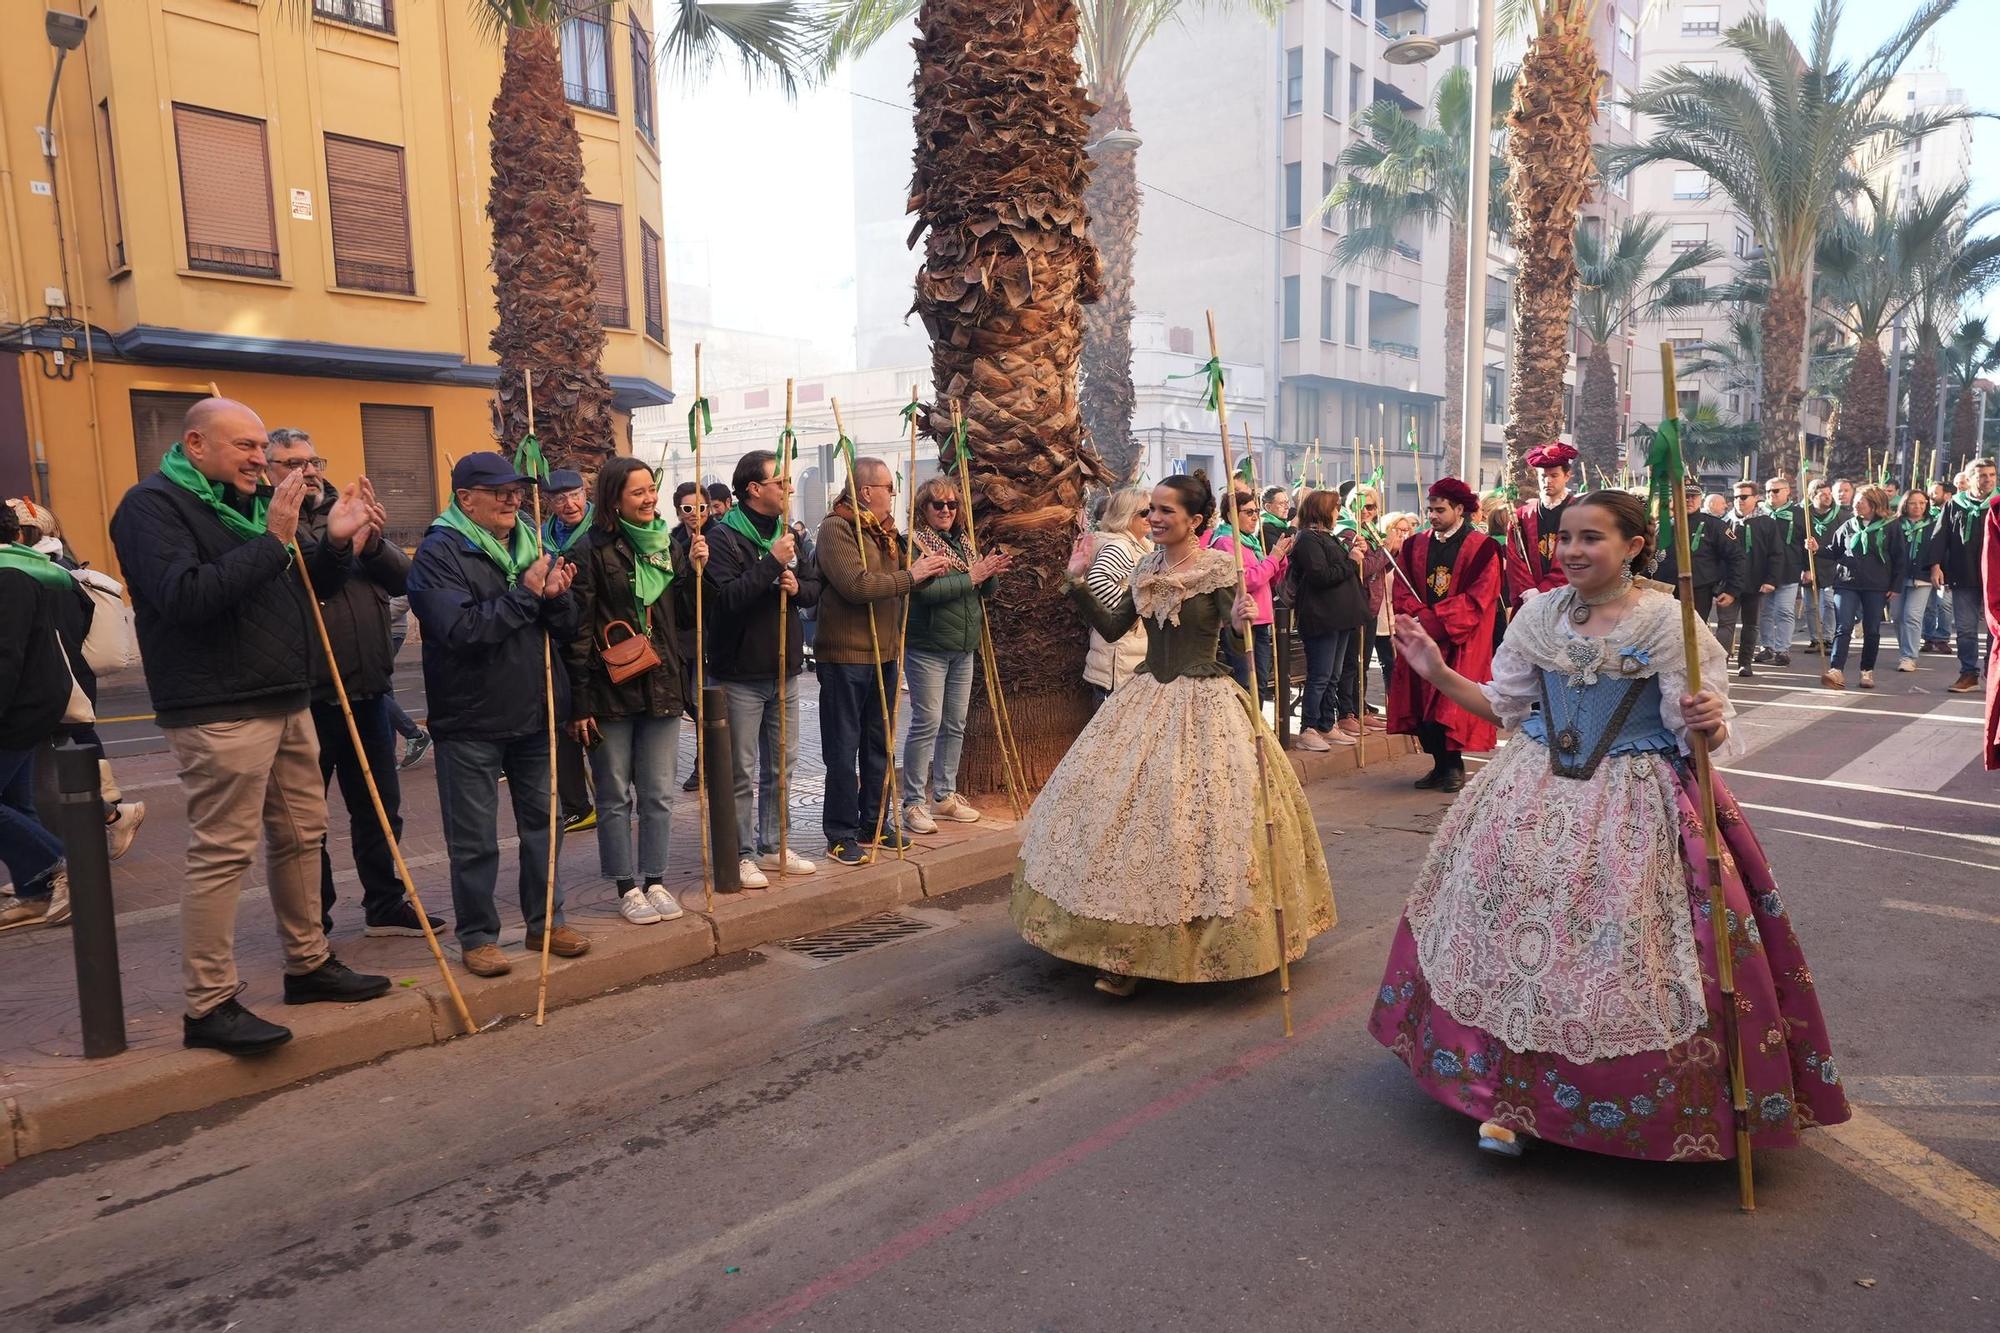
point(626, 682)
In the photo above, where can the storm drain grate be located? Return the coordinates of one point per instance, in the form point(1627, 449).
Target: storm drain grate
point(830, 946)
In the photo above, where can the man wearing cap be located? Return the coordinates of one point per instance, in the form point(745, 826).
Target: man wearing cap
point(569, 511)
point(487, 598)
point(223, 626)
point(1540, 520)
point(1717, 559)
point(1458, 570)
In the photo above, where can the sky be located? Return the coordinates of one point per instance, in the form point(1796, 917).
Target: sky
point(760, 195)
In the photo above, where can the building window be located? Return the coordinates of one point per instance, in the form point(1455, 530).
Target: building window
point(1689, 236)
point(398, 450)
point(1180, 340)
point(1326, 303)
point(1742, 244)
point(225, 193)
point(644, 95)
point(1690, 402)
point(1690, 185)
point(812, 393)
point(1295, 80)
point(1569, 408)
point(1701, 20)
point(367, 203)
point(1621, 185)
point(107, 168)
point(1621, 105)
point(156, 425)
point(1687, 291)
point(1329, 85)
point(1686, 341)
point(607, 260)
point(1353, 329)
point(586, 56)
point(1326, 182)
point(650, 280)
point(755, 399)
point(1308, 410)
point(1291, 308)
point(1736, 405)
point(1496, 395)
point(1355, 85)
point(377, 14)
point(1294, 192)
point(1628, 35)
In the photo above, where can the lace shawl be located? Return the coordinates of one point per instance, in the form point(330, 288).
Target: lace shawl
point(1158, 594)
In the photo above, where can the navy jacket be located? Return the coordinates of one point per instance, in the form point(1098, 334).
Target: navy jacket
point(483, 643)
point(1866, 571)
point(741, 602)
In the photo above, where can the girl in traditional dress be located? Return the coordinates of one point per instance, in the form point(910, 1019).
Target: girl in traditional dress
point(1145, 854)
point(1554, 972)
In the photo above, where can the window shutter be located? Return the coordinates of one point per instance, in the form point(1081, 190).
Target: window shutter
point(226, 192)
point(607, 259)
point(397, 449)
point(156, 425)
point(650, 280)
point(369, 208)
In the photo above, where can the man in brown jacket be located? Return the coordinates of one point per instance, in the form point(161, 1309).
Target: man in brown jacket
point(863, 582)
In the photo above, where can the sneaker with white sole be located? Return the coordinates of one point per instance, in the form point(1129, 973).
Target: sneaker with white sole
point(1907, 664)
point(917, 819)
point(793, 863)
point(1340, 737)
point(664, 902)
point(1867, 680)
point(1311, 741)
point(637, 908)
point(119, 833)
point(50, 911)
point(749, 876)
point(956, 808)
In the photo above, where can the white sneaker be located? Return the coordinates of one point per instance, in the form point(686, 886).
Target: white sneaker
point(749, 876)
point(1312, 741)
point(119, 835)
point(664, 902)
point(916, 819)
point(794, 864)
point(58, 899)
point(1907, 664)
point(636, 908)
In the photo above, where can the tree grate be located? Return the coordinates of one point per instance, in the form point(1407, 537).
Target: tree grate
point(830, 946)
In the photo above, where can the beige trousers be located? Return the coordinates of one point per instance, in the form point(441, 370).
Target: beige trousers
point(259, 774)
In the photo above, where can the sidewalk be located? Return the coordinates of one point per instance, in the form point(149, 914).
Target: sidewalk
point(53, 1097)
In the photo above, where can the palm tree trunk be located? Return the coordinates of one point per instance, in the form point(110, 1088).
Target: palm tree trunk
point(1001, 124)
point(1597, 414)
point(1964, 423)
point(1924, 393)
point(1784, 331)
point(543, 280)
point(1550, 162)
point(1862, 428)
point(1113, 201)
point(1452, 428)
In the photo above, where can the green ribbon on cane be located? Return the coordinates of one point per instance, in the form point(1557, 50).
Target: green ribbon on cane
point(909, 412)
point(961, 446)
point(1211, 370)
point(529, 460)
point(700, 410)
point(1664, 466)
point(788, 439)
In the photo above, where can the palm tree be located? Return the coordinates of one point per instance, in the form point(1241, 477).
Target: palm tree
point(1616, 284)
point(1779, 143)
point(1964, 262)
point(1396, 173)
point(1968, 354)
point(1112, 34)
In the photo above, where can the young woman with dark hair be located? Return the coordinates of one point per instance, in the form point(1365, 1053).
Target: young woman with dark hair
point(1331, 607)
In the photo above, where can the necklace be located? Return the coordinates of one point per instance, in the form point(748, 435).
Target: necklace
point(1580, 613)
point(1182, 561)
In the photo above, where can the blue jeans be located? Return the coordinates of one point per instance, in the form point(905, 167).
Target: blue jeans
point(1865, 605)
point(855, 747)
point(753, 737)
point(398, 719)
point(1329, 660)
point(634, 768)
point(1239, 665)
point(31, 853)
point(374, 863)
point(1937, 616)
point(1911, 617)
point(940, 692)
point(1778, 618)
point(468, 778)
point(1829, 613)
point(1968, 617)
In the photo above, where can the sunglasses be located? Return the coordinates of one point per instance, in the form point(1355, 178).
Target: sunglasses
point(945, 504)
point(692, 509)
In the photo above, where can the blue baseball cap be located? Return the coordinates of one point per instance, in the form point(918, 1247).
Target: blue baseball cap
point(485, 468)
point(562, 479)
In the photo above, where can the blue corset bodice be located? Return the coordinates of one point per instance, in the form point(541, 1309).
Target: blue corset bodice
point(1616, 715)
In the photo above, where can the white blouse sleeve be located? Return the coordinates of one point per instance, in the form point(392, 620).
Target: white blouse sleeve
point(1515, 688)
point(1714, 676)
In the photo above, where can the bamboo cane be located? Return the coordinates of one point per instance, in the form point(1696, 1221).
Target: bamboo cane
point(1812, 563)
point(700, 658)
point(549, 704)
point(375, 796)
point(875, 643)
point(1013, 774)
point(1256, 705)
point(903, 640)
point(787, 444)
point(1718, 911)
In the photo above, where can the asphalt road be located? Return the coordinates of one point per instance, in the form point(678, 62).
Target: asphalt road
point(955, 1132)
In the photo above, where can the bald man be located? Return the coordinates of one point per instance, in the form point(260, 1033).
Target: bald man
point(224, 629)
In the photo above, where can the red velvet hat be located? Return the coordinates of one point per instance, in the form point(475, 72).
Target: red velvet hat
point(1553, 454)
point(1455, 491)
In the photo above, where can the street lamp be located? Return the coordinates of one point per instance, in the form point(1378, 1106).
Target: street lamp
point(1414, 50)
point(1115, 141)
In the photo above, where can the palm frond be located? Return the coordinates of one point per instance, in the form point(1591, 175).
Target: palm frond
point(776, 41)
point(855, 26)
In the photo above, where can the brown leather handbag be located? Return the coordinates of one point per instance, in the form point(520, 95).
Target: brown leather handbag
point(630, 656)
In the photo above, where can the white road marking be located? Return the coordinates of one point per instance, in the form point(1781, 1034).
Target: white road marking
point(1849, 842)
point(1924, 1090)
point(1855, 710)
point(1940, 909)
point(1868, 787)
point(1922, 755)
point(1983, 839)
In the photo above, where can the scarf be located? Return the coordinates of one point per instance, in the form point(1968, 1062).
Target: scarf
point(1914, 532)
point(653, 569)
point(518, 556)
point(35, 565)
point(1789, 515)
point(1968, 507)
point(1835, 517)
point(1858, 534)
point(1743, 530)
point(739, 520)
point(180, 470)
point(561, 544)
point(947, 544)
point(868, 524)
point(1250, 539)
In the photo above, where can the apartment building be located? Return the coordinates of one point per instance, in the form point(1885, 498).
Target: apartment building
point(292, 213)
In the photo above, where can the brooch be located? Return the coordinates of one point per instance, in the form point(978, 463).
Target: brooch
point(1631, 661)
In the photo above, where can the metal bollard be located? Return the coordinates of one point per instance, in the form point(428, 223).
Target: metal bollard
point(100, 994)
point(719, 772)
point(1281, 657)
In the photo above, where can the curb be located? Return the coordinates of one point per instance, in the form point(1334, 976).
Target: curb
point(326, 1038)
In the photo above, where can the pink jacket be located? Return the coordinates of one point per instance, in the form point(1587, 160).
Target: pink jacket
point(1259, 573)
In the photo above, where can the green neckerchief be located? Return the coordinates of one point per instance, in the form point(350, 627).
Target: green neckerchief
point(511, 561)
point(653, 569)
point(1789, 515)
point(1743, 529)
point(1836, 515)
point(1696, 531)
point(1251, 539)
point(177, 468)
point(738, 521)
point(1858, 534)
point(35, 565)
point(1914, 532)
point(1968, 506)
point(582, 526)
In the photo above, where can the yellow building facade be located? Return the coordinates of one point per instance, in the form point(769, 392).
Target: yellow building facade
point(292, 211)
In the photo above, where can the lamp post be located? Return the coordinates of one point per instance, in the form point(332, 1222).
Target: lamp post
point(1414, 50)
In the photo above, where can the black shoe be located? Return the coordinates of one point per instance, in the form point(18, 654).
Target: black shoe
point(234, 1030)
point(1430, 781)
point(848, 854)
point(1744, 673)
point(1762, 657)
point(1781, 659)
point(401, 922)
point(335, 982)
point(1453, 781)
point(579, 822)
point(694, 781)
point(894, 841)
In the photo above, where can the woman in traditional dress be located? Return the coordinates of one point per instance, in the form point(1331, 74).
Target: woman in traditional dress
point(1553, 975)
point(1145, 854)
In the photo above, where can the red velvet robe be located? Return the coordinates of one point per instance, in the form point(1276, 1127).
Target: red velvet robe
point(1990, 573)
point(1462, 624)
point(1542, 575)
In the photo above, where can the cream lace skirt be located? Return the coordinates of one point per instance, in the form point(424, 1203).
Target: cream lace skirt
point(1145, 853)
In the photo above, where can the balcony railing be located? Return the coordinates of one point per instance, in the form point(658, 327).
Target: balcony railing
point(1685, 247)
point(1407, 251)
point(1393, 348)
point(1700, 27)
point(377, 14)
point(233, 259)
point(374, 277)
point(596, 98)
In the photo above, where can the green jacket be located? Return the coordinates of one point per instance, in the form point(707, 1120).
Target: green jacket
point(945, 613)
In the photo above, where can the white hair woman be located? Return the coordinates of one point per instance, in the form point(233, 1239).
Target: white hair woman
point(1122, 539)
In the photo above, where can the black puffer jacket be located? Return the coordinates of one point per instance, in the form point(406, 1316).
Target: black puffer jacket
point(223, 623)
point(1326, 585)
point(42, 623)
point(483, 643)
point(603, 593)
point(741, 601)
point(357, 615)
point(1718, 557)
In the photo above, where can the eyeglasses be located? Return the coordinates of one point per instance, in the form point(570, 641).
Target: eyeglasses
point(504, 494)
point(951, 505)
point(294, 464)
